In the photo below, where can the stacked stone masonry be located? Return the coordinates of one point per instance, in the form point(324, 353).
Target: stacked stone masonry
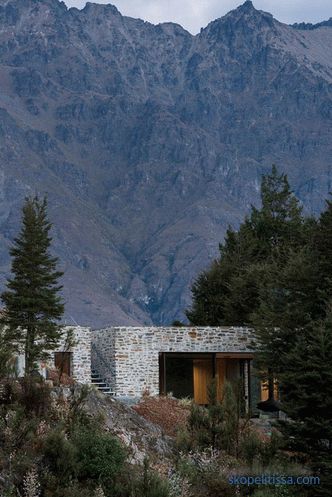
point(128, 357)
point(80, 350)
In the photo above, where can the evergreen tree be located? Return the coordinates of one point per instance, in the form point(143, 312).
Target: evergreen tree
point(7, 350)
point(208, 292)
point(229, 291)
point(32, 302)
point(278, 224)
point(218, 425)
point(212, 291)
point(322, 246)
point(306, 387)
point(289, 300)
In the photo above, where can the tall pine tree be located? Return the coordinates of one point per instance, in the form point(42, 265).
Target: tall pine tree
point(228, 293)
point(288, 301)
point(33, 306)
point(306, 387)
point(322, 246)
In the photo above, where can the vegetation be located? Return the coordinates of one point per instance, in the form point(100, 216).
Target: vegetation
point(49, 446)
point(218, 426)
point(229, 291)
point(32, 302)
point(274, 274)
point(218, 443)
point(48, 443)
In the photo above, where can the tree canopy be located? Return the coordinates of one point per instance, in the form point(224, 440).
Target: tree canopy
point(228, 292)
point(33, 304)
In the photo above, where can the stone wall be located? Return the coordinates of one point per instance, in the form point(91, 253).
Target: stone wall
point(81, 352)
point(130, 355)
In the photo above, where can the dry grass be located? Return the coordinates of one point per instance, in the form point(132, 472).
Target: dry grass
point(168, 413)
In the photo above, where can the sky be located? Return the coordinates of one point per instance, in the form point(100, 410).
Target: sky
point(194, 14)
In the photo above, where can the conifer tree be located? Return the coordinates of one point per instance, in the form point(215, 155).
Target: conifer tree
point(229, 292)
point(208, 292)
point(322, 246)
point(33, 306)
point(278, 224)
point(289, 300)
point(306, 388)
point(7, 350)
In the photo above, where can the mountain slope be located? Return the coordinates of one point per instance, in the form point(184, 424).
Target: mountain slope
point(150, 141)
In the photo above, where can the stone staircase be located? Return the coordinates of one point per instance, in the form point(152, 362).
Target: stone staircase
point(98, 382)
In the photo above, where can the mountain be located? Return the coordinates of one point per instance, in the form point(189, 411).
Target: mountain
point(150, 141)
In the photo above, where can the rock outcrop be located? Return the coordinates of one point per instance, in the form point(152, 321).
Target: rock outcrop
point(141, 437)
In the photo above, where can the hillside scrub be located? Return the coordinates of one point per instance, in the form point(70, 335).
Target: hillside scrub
point(51, 447)
point(219, 441)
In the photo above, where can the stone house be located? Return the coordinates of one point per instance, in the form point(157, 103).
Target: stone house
point(126, 362)
point(181, 360)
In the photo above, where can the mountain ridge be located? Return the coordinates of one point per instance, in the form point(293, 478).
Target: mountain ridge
point(154, 140)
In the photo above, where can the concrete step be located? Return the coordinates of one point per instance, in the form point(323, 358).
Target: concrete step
point(98, 382)
point(100, 386)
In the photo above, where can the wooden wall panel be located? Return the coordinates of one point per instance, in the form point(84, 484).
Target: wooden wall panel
point(202, 378)
point(220, 376)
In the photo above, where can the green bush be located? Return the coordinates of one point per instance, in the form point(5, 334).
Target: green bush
point(72, 454)
point(100, 455)
point(74, 490)
point(270, 450)
point(217, 425)
point(213, 483)
point(251, 447)
point(61, 457)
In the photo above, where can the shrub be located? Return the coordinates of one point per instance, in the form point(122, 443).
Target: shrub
point(150, 484)
point(198, 425)
point(61, 456)
point(77, 490)
point(100, 455)
point(35, 396)
point(218, 425)
point(31, 485)
point(279, 491)
point(183, 441)
point(250, 447)
point(214, 483)
point(270, 450)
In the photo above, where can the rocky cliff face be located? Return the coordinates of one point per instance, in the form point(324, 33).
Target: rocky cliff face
point(150, 141)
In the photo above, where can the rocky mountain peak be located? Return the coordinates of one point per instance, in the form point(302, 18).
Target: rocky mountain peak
point(92, 8)
point(118, 119)
point(28, 4)
point(241, 24)
point(247, 6)
point(309, 26)
point(247, 12)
